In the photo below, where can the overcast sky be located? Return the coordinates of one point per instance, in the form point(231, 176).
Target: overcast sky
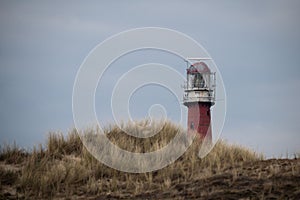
point(255, 45)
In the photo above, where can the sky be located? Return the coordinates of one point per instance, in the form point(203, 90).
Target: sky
point(255, 45)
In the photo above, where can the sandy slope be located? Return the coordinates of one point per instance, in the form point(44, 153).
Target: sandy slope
point(267, 179)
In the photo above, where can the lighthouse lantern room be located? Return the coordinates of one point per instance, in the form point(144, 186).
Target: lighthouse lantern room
point(199, 96)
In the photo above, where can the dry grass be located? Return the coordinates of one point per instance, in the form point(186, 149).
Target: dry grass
point(12, 154)
point(65, 168)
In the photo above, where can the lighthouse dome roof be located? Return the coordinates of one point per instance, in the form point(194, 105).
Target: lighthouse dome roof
point(198, 67)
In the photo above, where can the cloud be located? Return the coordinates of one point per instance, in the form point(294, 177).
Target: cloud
point(255, 44)
point(262, 138)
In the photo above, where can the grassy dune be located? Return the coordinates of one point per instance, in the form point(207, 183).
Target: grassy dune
point(64, 169)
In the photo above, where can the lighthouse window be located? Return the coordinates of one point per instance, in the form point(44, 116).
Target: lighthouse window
point(192, 126)
point(199, 81)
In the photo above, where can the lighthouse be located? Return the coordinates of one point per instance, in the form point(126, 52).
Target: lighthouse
point(199, 97)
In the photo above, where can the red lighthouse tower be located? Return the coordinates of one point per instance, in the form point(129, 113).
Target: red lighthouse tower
point(199, 97)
